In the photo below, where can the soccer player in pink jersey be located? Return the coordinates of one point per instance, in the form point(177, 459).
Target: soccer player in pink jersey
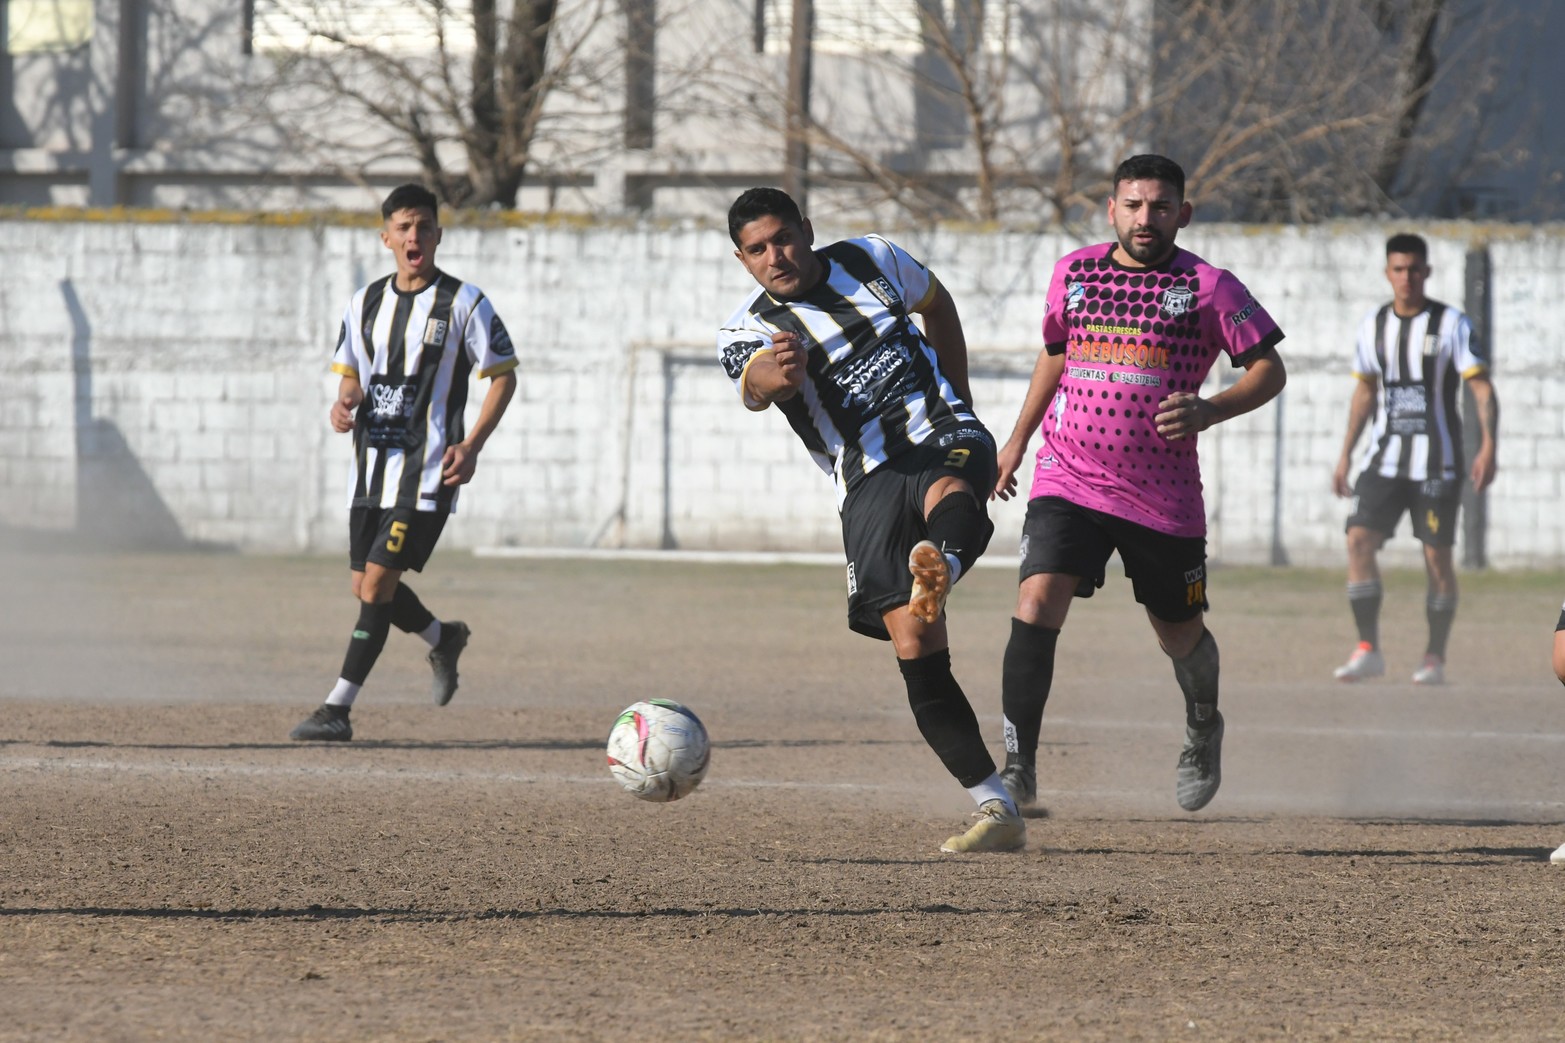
point(1130, 329)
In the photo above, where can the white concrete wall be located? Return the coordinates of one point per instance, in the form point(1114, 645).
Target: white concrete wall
point(168, 383)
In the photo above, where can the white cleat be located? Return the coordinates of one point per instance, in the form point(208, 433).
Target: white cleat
point(1432, 672)
point(1558, 858)
point(1365, 662)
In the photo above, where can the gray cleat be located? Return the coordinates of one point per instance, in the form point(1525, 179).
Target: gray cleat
point(1020, 781)
point(1200, 766)
point(327, 724)
point(443, 657)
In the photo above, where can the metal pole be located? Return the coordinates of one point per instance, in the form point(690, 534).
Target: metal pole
point(796, 161)
point(1475, 506)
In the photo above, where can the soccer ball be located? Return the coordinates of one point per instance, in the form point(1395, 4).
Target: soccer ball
point(658, 750)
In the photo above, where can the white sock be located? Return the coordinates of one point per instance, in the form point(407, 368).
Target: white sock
point(956, 568)
point(993, 789)
point(431, 634)
point(343, 694)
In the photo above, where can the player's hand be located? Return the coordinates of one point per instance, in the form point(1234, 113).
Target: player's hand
point(790, 352)
point(1009, 461)
point(1484, 469)
point(1339, 480)
point(459, 464)
point(343, 409)
point(1183, 415)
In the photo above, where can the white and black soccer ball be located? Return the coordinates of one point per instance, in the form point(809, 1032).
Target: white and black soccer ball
point(658, 750)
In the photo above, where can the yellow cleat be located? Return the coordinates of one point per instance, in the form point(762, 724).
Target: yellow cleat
point(997, 829)
point(931, 581)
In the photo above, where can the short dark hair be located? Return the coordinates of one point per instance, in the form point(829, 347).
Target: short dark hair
point(1408, 243)
point(1151, 168)
point(410, 197)
point(754, 203)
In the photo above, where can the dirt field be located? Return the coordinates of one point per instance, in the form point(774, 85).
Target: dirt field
point(174, 868)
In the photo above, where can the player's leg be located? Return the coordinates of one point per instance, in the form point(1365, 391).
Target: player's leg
point(383, 544)
point(946, 720)
point(1064, 551)
point(956, 518)
point(1168, 574)
point(1434, 523)
point(1559, 672)
point(881, 521)
point(1377, 504)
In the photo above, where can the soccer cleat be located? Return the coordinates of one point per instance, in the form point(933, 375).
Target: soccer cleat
point(997, 829)
point(931, 581)
point(1365, 662)
point(443, 657)
point(327, 724)
point(1432, 672)
point(1020, 782)
point(1200, 767)
point(1559, 855)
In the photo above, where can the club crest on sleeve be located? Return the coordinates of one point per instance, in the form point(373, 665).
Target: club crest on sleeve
point(737, 354)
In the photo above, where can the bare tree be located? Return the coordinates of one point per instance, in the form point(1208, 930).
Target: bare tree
point(462, 87)
point(1279, 109)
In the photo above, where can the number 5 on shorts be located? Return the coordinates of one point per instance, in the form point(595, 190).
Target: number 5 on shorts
point(958, 457)
point(399, 531)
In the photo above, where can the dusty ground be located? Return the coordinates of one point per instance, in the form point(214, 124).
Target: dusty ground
point(174, 868)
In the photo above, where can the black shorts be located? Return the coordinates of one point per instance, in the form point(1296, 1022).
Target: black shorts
point(1378, 503)
point(1168, 573)
point(1561, 624)
point(398, 538)
point(883, 517)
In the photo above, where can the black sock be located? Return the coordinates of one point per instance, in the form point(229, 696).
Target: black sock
point(946, 718)
point(369, 637)
point(1364, 600)
point(408, 613)
point(1197, 676)
point(960, 528)
point(1440, 609)
point(1027, 675)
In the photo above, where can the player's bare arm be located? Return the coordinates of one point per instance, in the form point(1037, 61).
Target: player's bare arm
point(943, 330)
point(1485, 461)
point(777, 374)
point(1046, 373)
point(1182, 414)
point(1360, 408)
point(461, 460)
point(349, 394)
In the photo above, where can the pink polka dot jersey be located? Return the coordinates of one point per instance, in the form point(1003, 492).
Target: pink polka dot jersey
point(1131, 337)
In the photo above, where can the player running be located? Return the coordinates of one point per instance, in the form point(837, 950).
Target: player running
point(1412, 357)
point(1130, 329)
point(883, 406)
point(407, 346)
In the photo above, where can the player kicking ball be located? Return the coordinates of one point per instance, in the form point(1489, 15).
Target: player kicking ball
point(407, 347)
point(828, 337)
point(1130, 330)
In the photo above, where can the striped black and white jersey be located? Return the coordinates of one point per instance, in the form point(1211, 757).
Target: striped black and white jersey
point(1419, 364)
point(413, 353)
point(873, 387)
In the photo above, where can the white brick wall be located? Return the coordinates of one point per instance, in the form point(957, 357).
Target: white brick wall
point(199, 353)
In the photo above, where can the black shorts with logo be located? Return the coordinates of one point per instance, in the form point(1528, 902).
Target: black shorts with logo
point(1378, 503)
point(1168, 573)
point(398, 538)
point(883, 517)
